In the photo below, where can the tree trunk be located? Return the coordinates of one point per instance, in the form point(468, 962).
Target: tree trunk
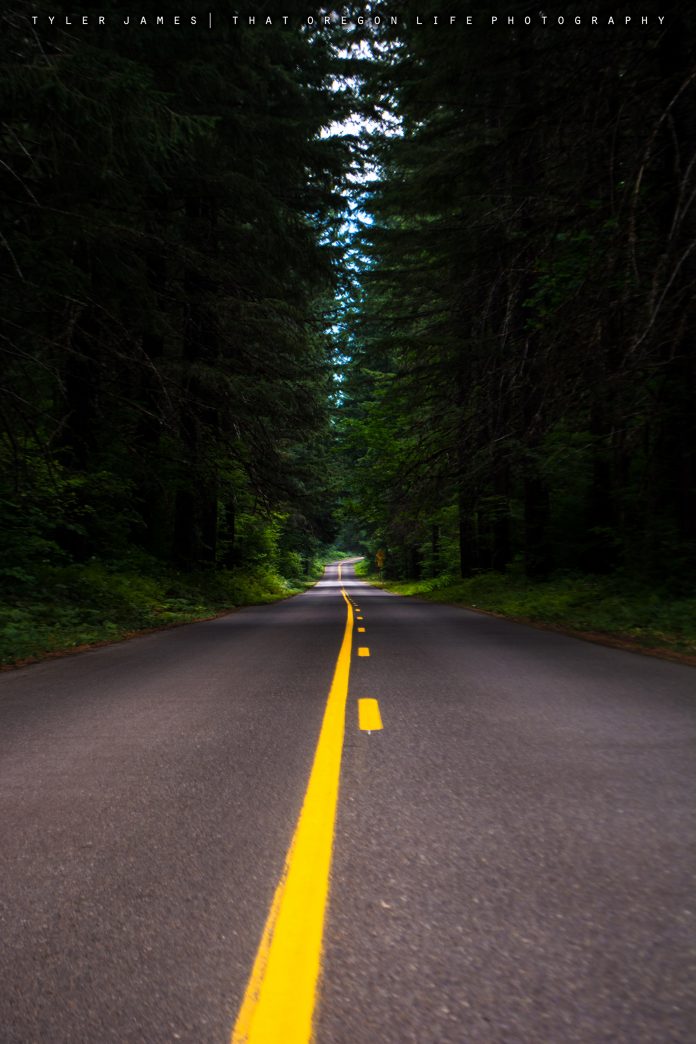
point(467, 534)
point(537, 551)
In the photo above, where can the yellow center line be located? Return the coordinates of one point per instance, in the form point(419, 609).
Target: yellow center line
point(280, 998)
point(363, 650)
point(361, 630)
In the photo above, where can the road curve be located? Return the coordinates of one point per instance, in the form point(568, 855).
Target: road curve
point(514, 851)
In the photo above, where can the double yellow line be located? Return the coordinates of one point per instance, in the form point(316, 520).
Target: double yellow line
point(279, 1002)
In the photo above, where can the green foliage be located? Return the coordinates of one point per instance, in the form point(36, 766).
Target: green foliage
point(62, 607)
point(166, 366)
point(520, 352)
point(560, 277)
point(512, 330)
point(53, 604)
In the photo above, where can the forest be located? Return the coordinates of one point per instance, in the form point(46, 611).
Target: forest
point(271, 294)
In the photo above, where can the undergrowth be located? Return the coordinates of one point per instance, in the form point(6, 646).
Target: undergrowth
point(58, 608)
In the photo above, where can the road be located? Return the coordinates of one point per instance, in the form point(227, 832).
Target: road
point(513, 852)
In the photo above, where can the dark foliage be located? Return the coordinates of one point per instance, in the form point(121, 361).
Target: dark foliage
point(522, 330)
point(168, 206)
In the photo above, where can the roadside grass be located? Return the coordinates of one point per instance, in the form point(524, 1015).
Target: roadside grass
point(610, 606)
point(60, 608)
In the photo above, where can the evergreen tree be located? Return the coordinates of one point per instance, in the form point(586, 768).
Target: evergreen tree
point(527, 297)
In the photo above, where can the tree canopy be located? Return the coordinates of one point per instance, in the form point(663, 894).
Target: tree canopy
point(522, 378)
point(169, 212)
point(427, 287)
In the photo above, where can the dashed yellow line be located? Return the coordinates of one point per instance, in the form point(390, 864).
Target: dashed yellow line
point(363, 650)
point(280, 998)
point(369, 718)
point(361, 630)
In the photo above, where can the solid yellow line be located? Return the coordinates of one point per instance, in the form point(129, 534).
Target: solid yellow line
point(369, 718)
point(280, 997)
point(363, 650)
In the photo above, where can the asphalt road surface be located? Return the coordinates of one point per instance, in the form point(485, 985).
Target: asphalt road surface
point(513, 858)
